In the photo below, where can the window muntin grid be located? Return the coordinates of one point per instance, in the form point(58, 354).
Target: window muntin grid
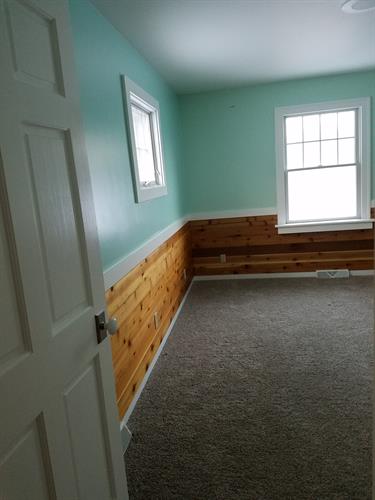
point(321, 139)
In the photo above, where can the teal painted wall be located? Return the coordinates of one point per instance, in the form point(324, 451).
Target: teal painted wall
point(102, 55)
point(218, 146)
point(229, 148)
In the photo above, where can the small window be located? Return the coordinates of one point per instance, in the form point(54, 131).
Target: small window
point(323, 166)
point(142, 112)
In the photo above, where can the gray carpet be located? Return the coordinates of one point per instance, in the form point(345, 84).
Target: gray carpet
point(263, 391)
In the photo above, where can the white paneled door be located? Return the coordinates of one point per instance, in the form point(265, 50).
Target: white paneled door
point(59, 432)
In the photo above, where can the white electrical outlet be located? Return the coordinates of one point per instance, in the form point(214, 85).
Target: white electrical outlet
point(333, 273)
point(223, 258)
point(156, 320)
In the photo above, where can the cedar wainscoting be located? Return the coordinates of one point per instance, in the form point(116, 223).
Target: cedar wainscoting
point(249, 244)
point(156, 285)
point(252, 245)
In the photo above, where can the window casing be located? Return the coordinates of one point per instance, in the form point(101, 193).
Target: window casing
point(143, 123)
point(323, 166)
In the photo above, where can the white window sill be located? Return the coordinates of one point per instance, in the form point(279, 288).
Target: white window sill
point(149, 193)
point(337, 225)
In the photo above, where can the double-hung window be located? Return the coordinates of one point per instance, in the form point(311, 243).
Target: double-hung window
point(143, 121)
point(323, 166)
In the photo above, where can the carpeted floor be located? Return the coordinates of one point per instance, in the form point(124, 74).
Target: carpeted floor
point(263, 391)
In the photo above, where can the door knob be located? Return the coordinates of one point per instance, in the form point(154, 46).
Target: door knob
point(103, 327)
point(111, 326)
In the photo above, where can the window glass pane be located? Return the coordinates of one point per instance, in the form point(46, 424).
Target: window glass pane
point(143, 144)
point(146, 167)
point(324, 193)
point(346, 123)
point(294, 156)
point(329, 152)
point(311, 126)
point(328, 125)
point(346, 151)
point(293, 125)
point(311, 157)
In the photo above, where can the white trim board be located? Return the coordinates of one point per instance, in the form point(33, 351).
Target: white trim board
point(224, 214)
point(121, 268)
point(243, 212)
point(126, 437)
point(339, 225)
point(255, 276)
point(137, 395)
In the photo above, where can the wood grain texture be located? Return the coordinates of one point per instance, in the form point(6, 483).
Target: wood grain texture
point(156, 285)
point(250, 244)
point(253, 245)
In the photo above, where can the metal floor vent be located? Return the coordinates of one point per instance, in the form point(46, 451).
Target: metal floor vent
point(333, 273)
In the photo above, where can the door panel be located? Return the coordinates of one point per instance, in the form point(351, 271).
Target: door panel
point(88, 440)
point(27, 461)
point(49, 156)
point(34, 46)
point(60, 437)
point(15, 337)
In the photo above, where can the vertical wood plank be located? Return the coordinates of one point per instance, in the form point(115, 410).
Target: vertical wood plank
point(155, 285)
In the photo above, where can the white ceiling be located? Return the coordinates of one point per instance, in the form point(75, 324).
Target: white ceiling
point(199, 45)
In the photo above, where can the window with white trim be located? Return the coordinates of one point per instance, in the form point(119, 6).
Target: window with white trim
point(145, 142)
point(323, 166)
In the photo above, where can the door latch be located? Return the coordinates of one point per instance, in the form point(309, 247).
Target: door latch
point(103, 327)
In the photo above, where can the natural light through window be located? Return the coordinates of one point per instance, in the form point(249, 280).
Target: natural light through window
point(143, 144)
point(323, 171)
point(145, 140)
point(321, 161)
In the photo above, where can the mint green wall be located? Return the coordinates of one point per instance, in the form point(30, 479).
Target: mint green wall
point(102, 55)
point(229, 148)
point(218, 146)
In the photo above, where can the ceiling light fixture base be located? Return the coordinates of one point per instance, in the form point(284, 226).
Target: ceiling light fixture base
point(358, 6)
